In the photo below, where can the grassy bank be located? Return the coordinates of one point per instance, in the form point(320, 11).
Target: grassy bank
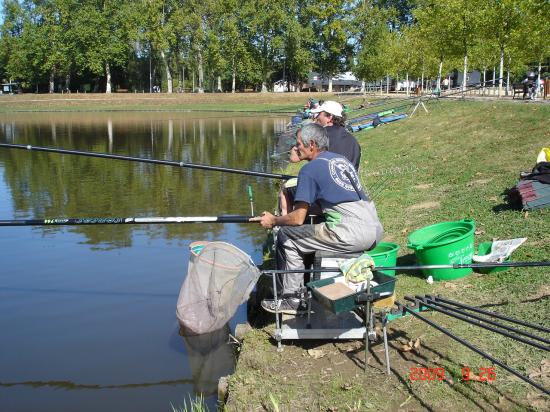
point(455, 162)
point(243, 102)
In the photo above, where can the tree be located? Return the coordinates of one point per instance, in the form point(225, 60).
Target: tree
point(101, 34)
point(436, 32)
point(47, 37)
point(333, 49)
point(14, 59)
point(370, 32)
point(298, 41)
point(537, 33)
point(162, 22)
point(264, 32)
point(237, 55)
point(502, 21)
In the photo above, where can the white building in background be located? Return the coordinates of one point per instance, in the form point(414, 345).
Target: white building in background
point(279, 87)
point(402, 85)
point(340, 83)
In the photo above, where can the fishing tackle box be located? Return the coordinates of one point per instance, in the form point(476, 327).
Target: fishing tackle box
point(349, 302)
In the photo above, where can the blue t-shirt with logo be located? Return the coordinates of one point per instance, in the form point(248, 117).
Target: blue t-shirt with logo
point(323, 179)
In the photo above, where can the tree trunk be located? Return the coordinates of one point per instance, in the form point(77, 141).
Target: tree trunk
point(465, 74)
point(508, 75)
point(68, 83)
point(494, 79)
point(484, 79)
point(51, 88)
point(168, 72)
point(219, 84)
point(387, 84)
point(407, 80)
point(264, 87)
point(329, 84)
point(233, 74)
point(183, 79)
point(201, 73)
point(422, 81)
point(439, 74)
point(397, 82)
point(107, 78)
point(501, 72)
point(537, 89)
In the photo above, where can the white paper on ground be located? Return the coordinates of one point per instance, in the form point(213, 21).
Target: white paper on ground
point(500, 250)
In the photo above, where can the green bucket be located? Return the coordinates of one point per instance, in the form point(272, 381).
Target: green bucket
point(483, 249)
point(444, 243)
point(385, 254)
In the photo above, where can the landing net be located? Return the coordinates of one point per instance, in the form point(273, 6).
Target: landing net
point(219, 278)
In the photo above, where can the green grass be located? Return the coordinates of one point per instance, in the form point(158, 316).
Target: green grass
point(195, 405)
point(455, 162)
point(224, 102)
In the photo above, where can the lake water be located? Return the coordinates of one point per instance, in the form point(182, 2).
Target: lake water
point(87, 313)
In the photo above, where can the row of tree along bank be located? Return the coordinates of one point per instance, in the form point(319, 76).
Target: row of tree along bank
point(230, 45)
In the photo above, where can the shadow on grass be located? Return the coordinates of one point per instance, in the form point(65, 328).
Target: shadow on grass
point(410, 260)
point(513, 201)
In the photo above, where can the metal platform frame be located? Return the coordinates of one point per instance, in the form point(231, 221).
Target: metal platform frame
point(320, 323)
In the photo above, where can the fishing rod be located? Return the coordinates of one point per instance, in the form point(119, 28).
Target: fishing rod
point(488, 313)
point(417, 267)
point(447, 332)
point(412, 99)
point(460, 90)
point(126, 220)
point(146, 160)
point(476, 322)
point(433, 301)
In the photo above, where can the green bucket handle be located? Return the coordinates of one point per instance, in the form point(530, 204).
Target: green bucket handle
point(468, 220)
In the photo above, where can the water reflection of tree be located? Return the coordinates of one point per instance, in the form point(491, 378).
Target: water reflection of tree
point(52, 185)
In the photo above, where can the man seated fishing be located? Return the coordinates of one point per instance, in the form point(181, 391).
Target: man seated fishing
point(351, 222)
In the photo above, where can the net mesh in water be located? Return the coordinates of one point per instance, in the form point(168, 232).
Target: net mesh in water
point(219, 278)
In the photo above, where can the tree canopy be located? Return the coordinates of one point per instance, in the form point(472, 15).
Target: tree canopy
point(232, 45)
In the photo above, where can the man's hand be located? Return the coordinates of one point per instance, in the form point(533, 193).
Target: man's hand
point(294, 218)
point(267, 220)
point(294, 156)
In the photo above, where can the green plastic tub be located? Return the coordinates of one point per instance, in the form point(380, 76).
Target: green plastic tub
point(385, 254)
point(384, 289)
point(483, 249)
point(444, 243)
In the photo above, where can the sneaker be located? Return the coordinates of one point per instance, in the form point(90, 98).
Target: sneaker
point(287, 306)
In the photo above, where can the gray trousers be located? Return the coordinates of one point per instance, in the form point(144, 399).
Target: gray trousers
point(295, 242)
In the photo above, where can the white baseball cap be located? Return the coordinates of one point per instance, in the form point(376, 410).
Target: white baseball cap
point(330, 106)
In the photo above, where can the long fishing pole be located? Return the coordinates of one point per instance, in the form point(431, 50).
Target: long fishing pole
point(146, 160)
point(488, 313)
point(472, 347)
point(417, 267)
point(412, 99)
point(126, 220)
point(460, 90)
point(428, 299)
point(460, 316)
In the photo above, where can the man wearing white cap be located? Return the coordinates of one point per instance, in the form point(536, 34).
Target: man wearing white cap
point(330, 116)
